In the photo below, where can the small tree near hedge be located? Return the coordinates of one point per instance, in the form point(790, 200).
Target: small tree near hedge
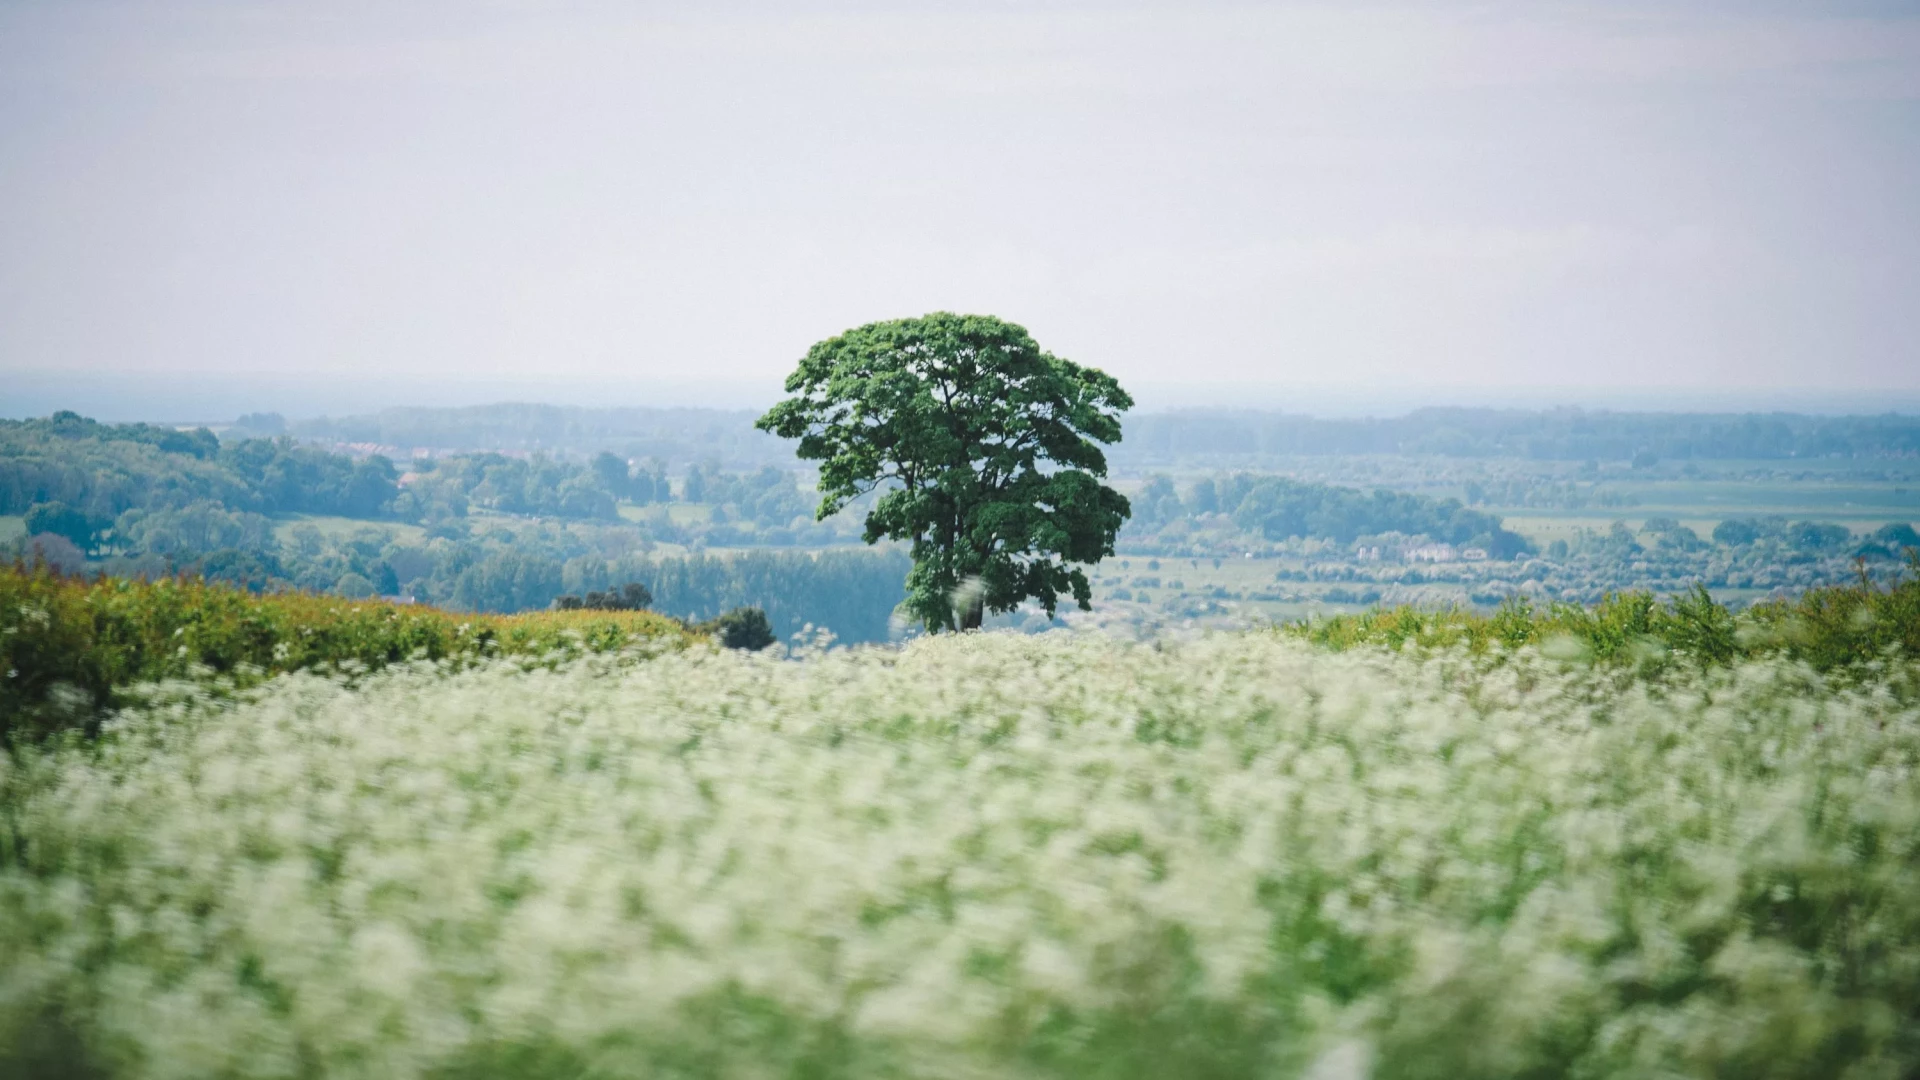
point(742, 628)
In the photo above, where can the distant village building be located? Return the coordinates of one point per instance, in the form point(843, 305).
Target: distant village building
point(1474, 554)
point(1434, 553)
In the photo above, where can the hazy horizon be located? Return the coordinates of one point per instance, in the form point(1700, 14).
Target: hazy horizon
point(1369, 204)
point(203, 400)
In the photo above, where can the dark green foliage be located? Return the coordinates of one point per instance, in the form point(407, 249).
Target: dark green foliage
point(983, 446)
point(1806, 537)
point(289, 478)
point(1889, 542)
point(536, 486)
point(649, 484)
point(742, 628)
point(1669, 534)
point(1278, 508)
point(190, 530)
point(506, 580)
point(611, 470)
point(1899, 535)
point(768, 497)
point(1157, 502)
point(1817, 536)
point(104, 470)
point(59, 519)
point(633, 596)
point(1204, 498)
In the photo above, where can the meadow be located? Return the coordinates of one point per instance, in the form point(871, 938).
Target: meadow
point(979, 856)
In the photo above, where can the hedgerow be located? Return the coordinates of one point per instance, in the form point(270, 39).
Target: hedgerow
point(980, 856)
point(69, 645)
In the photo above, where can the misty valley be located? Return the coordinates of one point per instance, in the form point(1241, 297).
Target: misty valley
point(1236, 518)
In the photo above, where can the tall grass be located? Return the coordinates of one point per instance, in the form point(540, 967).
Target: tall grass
point(68, 645)
point(1830, 627)
point(987, 856)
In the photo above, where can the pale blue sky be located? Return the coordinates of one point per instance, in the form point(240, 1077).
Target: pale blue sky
point(610, 201)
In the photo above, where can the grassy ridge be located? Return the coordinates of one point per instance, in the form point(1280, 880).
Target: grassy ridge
point(1827, 627)
point(68, 645)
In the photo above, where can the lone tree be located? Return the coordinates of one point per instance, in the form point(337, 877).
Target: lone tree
point(984, 447)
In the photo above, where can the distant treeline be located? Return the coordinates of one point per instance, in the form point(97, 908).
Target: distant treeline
point(131, 488)
point(673, 436)
point(98, 472)
point(1552, 435)
point(1279, 508)
point(1218, 437)
point(852, 593)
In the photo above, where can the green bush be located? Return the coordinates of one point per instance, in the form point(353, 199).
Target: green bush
point(742, 628)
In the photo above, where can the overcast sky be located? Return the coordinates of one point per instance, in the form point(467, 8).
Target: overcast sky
point(633, 201)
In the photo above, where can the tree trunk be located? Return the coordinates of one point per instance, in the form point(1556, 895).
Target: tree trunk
point(975, 610)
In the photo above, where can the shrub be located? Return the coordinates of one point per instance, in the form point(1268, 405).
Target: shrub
point(633, 596)
point(742, 628)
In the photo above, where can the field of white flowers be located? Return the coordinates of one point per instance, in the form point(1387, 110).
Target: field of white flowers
point(977, 857)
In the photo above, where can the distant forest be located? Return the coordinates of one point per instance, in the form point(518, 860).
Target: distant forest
point(1278, 508)
point(1208, 438)
point(487, 530)
point(101, 472)
point(1551, 435)
point(672, 436)
point(114, 478)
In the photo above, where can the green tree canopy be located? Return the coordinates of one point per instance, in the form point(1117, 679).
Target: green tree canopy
point(985, 449)
point(59, 519)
